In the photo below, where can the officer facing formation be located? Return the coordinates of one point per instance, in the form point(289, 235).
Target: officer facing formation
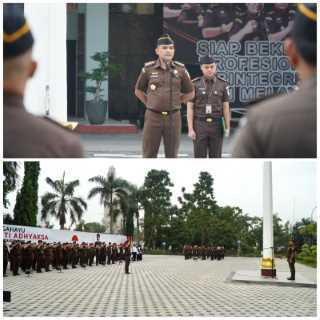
point(163, 85)
point(209, 112)
point(25, 135)
point(127, 256)
point(291, 258)
point(286, 126)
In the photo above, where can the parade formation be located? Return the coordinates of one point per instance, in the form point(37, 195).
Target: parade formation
point(203, 252)
point(37, 257)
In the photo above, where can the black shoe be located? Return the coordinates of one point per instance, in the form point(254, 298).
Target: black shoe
point(39, 271)
point(290, 278)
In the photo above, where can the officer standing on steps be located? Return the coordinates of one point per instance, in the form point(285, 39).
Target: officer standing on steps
point(163, 85)
point(209, 112)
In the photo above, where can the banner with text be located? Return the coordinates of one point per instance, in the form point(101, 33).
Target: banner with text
point(246, 41)
point(13, 232)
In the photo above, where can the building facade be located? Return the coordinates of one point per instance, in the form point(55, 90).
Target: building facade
point(66, 37)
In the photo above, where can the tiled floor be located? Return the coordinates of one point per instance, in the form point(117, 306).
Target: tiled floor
point(158, 286)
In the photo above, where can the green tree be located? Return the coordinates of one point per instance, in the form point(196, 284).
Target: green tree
point(199, 208)
point(62, 202)
point(304, 231)
point(155, 200)
point(94, 227)
point(112, 192)
point(7, 219)
point(10, 178)
point(80, 225)
point(177, 233)
point(26, 207)
point(132, 209)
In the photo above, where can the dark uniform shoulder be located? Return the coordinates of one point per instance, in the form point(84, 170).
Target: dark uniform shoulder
point(179, 64)
point(220, 78)
point(196, 79)
point(150, 63)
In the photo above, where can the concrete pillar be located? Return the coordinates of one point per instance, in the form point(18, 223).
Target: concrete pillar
point(267, 265)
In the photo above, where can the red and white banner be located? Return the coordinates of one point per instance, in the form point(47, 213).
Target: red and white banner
point(13, 232)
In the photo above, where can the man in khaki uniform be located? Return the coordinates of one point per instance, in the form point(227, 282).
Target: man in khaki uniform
point(291, 258)
point(162, 86)
point(286, 126)
point(127, 256)
point(208, 113)
point(25, 135)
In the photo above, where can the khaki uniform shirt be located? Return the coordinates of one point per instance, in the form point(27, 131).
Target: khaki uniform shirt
point(209, 97)
point(281, 127)
point(164, 86)
point(28, 136)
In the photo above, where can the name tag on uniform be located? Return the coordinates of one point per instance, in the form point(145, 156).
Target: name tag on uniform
point(208, 108)
point(154, 75)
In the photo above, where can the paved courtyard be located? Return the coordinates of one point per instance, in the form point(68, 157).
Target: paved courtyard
point(158, 286)
point(130, 146)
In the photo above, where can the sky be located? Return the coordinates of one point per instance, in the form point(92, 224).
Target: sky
point(236, 182)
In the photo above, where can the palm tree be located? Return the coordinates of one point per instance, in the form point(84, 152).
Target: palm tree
point(10, 179)
point(62, 202)
point(131, 209)
point(113, 194)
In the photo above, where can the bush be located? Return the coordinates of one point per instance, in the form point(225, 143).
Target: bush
point(313, 251)
point(308, 255)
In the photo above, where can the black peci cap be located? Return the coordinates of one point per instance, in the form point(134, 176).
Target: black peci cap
point(206, 60)
point(304, 31)
point(17, 36)
point(165, 40)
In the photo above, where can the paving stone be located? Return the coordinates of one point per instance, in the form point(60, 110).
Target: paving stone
point(158, 286)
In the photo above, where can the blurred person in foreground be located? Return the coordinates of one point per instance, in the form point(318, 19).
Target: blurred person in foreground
point(26, 135)
point(285, 126)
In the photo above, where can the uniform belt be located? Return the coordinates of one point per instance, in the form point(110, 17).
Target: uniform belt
point(207, 119)
point(164, 113)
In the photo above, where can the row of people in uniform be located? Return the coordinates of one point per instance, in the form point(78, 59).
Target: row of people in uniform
point(203, 252)
point(28, 256)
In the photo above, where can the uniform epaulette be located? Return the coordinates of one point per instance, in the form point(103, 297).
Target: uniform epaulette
point(196, 79)
point(178, 63)
point(56, 123)
point(220, 78)
point(150, 63)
